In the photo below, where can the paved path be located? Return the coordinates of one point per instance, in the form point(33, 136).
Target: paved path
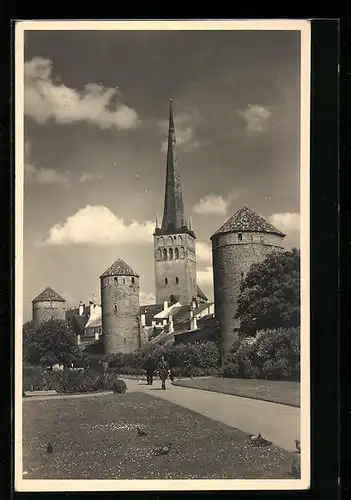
point(277, 423)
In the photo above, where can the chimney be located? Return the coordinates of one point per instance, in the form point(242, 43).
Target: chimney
point(171, 326)
point(193, 321)
point(81, 309)
point(165, 305)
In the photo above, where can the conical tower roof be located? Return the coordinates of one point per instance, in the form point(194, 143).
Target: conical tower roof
point(49, 295)
point(119, 268)
point(247, 220)
point(173, 213)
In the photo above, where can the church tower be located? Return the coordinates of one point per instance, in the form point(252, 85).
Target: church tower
point(174, 241)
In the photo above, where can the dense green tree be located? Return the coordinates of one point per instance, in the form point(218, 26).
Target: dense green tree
point(270, 294)
point(54, 342)
point(28, 337)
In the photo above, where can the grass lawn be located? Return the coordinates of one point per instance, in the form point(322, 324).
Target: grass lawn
point(284, 392)
point(96, 438)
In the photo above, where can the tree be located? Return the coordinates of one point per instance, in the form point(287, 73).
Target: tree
point(53, 343)
point(270, 295)
point(28, 337)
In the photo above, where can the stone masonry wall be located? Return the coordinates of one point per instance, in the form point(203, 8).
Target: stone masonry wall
point(180, 262)
point(232, 259)
point(120, 314)
point(44, 311)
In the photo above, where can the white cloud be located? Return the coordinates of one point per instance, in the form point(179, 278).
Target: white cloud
point(89, 176)
point(256, 118)
point(286, 221)
point(185, 132)
point(46, 98)
point(205, 276)
point(42, 175)
point(203, 252)
point(147, 298)
point(97, 225)
point(212, 204)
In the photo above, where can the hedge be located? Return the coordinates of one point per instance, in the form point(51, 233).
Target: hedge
point(67, 381)
point(271, 355)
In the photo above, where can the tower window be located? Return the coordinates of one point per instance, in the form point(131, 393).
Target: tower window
point(176, 254)
point(166, 281)
point(177, 280)
point(124, 281)
point(240, 237)
point(133, 280)
point(164, 254)
point(116, 279)
point(115, 309)
point(171, 254)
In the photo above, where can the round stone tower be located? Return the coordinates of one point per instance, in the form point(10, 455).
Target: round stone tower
point(48, 305)
point(245, 239)
point(120, 308)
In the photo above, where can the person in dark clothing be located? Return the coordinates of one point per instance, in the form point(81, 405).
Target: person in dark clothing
point(149, 367)
point(163, 369)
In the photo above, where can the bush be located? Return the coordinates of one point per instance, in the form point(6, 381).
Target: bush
point(119, 386)
point(271, 355)
point(230, 370)
point(67, 381)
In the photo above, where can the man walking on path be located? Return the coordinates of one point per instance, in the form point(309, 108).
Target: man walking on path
point(149, 367)
point(163, 369)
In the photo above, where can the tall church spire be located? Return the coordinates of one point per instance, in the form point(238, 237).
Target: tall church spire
point(173, 214)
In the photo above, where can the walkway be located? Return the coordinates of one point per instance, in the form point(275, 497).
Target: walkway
point(277, 423)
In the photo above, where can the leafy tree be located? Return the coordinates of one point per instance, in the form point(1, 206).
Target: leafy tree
point(53, 343)
point(28, 337)
point(270, 295)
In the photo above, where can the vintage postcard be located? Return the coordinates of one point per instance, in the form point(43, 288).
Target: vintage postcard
point(162, 255)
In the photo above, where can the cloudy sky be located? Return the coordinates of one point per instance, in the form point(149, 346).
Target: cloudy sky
point(96, 110)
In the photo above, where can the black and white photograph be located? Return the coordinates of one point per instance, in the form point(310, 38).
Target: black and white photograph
point(162, 255)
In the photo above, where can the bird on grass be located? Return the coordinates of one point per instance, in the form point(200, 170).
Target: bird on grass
point(298, 446)
point(258, 440)
point(49, 448)
point(141, 432)
point(163, 450)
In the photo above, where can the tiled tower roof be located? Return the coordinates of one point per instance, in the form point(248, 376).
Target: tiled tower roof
point(246, 219)
point(50, 295)
point(119, 268)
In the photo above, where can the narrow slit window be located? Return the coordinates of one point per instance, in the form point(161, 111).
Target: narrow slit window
point(240, 237)
point(124, 281)
point(133, 280)
point(166, 281)
point(116, 280)
point(177, 280)
point(115, 309)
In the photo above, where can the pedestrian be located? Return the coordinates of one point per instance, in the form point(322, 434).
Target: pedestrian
point(170, 373)
point(149, 367)
point(163, 369)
